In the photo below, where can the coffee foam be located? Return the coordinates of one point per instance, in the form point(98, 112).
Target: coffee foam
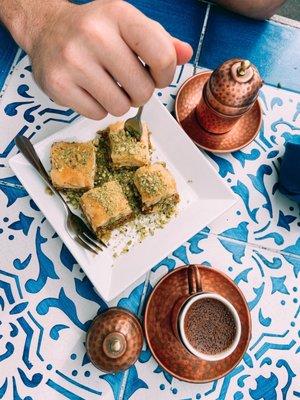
point(209, 326)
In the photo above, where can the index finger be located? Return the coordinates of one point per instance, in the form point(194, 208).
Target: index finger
point(151, 43)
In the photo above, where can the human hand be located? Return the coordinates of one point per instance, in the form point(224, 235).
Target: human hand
point(86, 57)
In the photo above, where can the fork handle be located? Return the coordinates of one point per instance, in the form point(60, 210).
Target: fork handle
point(140, 109)
point(28, 151)
point(139, 112)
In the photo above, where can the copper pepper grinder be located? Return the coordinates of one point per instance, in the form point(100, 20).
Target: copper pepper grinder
point(229, 93)
point(114, 340)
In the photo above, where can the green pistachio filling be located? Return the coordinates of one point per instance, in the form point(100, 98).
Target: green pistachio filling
point(105, 173)
point(70, 155)
point(151, 183)
point(123, 142)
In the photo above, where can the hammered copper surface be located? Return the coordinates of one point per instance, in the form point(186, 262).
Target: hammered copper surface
point(244, 131)
point(194, 287)
point(212, 121)
point(218, 106)
point(229, 90)
point(167, 349)
point(114, 320)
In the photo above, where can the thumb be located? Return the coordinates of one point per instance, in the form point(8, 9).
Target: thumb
point(184, 51)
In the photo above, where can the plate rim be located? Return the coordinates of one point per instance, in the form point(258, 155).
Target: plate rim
point(110, 292)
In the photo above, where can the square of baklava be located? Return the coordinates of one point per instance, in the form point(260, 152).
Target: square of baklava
point(155, 185)
point(125, 149)
point(73, 165)
point(106, 207)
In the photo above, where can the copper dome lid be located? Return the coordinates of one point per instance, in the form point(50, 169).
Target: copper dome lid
point(233, 87)
point(114, 340)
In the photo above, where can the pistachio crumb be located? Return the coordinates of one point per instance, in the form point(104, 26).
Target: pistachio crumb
point(49, 191)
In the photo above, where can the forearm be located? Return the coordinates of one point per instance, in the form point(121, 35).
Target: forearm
point(258, 9)
point(25, 18)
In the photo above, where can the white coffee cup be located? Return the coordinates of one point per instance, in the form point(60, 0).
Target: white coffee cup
point(187, 344)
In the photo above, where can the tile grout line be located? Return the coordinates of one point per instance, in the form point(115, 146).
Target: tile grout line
point(123, 385)
point(147, 283)
point(139, 313)
point(277, 19)
point(201, 38)
point(253, 245)
point(9, 75)
point(12, 185)
point(280, 19)
point(144, 293)
point(282, 87)
point(147, 279)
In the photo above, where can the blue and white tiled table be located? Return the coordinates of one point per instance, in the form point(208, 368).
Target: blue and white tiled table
point(47, 303)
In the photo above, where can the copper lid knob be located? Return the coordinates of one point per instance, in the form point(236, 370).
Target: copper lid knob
point(243, 69)
point(114, 345)
point(233, 87)
point(114, 340)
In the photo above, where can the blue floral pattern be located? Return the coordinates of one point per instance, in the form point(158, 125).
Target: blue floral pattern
point(47, 303)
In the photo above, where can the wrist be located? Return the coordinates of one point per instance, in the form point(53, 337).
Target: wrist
point(33, 17)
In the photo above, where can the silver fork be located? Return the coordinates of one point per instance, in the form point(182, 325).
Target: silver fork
point(134, 125)
point(76, 227)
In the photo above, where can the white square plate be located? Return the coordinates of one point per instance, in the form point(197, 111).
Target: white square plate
point(203, 198)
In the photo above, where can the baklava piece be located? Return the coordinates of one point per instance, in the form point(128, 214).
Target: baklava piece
point(73, 165)
point(156, 186)
point(106, 207)
point(125, 149)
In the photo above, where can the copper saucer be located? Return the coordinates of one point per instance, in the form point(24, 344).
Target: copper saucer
point(243, 132)
point(167, 350)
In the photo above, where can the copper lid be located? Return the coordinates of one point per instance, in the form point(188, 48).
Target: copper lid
point(114, 340)
point(235, 83)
